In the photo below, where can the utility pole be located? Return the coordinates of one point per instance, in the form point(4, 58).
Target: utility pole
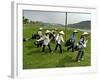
point(65, 25)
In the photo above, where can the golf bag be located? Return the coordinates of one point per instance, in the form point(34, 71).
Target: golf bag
point(38, 43)
point(67, 43)
point(76, 48)
point(35, 36)
point(51, 37)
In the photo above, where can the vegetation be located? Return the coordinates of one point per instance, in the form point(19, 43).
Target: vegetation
point(33, 57)
point(85, 25)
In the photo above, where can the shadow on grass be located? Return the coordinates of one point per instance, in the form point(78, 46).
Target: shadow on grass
point(29, 47)
point(66, 59)
point(34, 52)
point(38, 51)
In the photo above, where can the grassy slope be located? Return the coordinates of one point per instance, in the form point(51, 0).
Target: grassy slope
point(34, 58)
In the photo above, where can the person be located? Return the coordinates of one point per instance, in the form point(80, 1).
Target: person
point(53, 35)
point(81, 45)
point(72, 40)
point(46, 41)
point(59, 38)
point(40, 32)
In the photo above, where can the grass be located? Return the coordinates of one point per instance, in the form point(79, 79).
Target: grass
point(34, 57)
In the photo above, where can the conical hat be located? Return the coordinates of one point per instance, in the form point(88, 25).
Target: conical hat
point(61, 32)
point(47, 31)
point(85, 33)
point(75, 31)
point(40, 28)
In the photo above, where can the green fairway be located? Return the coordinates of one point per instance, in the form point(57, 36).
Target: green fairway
point(33, 57)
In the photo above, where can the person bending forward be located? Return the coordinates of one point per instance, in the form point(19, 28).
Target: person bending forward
point(46, 41)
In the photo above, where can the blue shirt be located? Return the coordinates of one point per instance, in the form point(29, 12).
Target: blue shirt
point(72, 38)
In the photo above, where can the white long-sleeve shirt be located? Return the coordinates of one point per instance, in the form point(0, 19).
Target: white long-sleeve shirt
point(82, 43)
point(59, 39)
point(45, 39)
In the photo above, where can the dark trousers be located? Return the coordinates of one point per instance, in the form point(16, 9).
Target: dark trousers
point(80, 55)
point(59, 47)
point(71, 47)
point(43, 49)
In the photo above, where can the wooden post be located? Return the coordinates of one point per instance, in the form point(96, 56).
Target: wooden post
point(65, 26)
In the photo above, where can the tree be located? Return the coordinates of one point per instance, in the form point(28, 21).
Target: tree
point(25, 20)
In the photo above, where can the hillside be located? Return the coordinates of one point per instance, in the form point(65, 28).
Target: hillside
point(81, 25)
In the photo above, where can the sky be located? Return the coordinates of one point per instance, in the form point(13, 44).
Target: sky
point(56, 17)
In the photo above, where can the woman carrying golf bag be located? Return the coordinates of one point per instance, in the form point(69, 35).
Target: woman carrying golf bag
point(72, 41)
point(81, 45)
point(59, 38)
point(46, 41)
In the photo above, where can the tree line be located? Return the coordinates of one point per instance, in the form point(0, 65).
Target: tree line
point(26, 21)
